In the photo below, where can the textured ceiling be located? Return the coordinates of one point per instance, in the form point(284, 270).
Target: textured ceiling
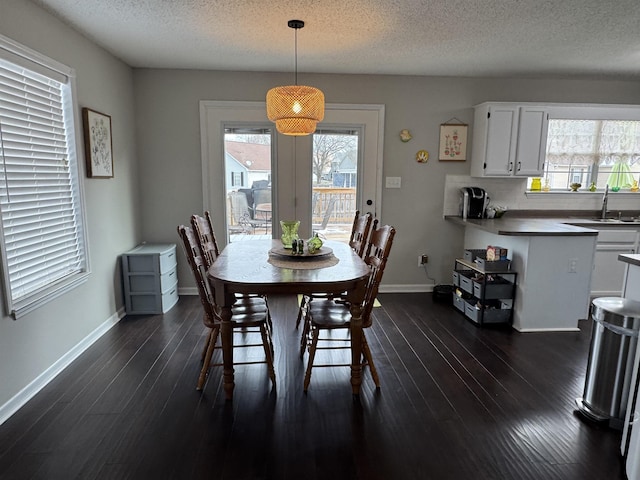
point(592, 38)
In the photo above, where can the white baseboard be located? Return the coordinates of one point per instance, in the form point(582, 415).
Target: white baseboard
point(28, 392)
point(188, 291)
point(543, 330)
point(418, 288)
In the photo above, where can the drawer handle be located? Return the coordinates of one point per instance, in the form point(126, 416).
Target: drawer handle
point(172, 291)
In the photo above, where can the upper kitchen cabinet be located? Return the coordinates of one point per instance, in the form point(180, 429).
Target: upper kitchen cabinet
point(509, 140)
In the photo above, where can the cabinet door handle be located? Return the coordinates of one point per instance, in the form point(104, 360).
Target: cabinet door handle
point(519, 166)
point(511, 166)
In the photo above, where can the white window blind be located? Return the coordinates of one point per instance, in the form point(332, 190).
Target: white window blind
point(41, 218)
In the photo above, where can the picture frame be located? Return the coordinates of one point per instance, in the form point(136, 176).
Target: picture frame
point(98, 146)
point(453, 142)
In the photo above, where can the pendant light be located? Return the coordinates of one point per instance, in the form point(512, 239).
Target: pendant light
point(295, 109)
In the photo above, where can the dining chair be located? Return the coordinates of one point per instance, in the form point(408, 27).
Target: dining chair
point(328, 315)
point(247, 317)
point(358, 242)
point(203, 228)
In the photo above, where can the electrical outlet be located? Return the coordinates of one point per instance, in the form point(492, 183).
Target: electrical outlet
point(423, 259)
point(573, 265)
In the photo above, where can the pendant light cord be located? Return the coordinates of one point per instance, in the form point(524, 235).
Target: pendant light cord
point(296, 25)
point(295, 78)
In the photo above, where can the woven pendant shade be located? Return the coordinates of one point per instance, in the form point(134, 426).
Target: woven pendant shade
point(296, 109)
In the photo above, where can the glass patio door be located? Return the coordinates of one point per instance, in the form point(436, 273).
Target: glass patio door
point(335, 162)
point(248, 183)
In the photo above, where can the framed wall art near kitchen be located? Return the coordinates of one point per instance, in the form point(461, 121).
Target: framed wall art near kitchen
point(97, 144)
point(453, 142)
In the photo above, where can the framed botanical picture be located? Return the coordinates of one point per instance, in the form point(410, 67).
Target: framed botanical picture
point(453, 142)
point(97, 144)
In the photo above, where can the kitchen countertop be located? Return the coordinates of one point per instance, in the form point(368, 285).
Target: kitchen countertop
point(630, 258)
point(528, 226)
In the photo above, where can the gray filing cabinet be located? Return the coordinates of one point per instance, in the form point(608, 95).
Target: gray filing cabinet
point(150, 278)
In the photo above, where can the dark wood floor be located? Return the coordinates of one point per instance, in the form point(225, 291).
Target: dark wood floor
point(457, 402)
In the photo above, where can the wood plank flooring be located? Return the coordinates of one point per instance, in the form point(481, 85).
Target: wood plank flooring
point(457, 402)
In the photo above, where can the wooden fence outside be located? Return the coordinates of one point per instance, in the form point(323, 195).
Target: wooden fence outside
point(344, 208)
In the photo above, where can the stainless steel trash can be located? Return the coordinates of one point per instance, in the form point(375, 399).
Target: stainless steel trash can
point(614, 339)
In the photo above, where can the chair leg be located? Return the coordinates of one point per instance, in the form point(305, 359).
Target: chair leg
point(369, 358)
point(303, 305)
point(315, 333)
point(304, 337)
point(206, 347)
point(269, 322)
point(212, 339)
point(268, 349)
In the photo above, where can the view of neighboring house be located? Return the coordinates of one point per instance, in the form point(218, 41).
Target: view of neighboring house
point(344, 169)
point(246, 163)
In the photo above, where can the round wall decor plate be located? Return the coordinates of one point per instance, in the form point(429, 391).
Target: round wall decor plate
point(422, 156)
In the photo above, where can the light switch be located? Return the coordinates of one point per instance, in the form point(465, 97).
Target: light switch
point(393, 182)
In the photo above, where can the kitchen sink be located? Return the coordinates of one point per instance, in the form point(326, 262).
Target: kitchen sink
point(610, 221)
point(618, 220)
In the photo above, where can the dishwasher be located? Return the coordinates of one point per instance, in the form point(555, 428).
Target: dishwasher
point(607, 278)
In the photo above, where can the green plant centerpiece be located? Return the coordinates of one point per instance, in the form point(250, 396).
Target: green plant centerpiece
point(314, 244)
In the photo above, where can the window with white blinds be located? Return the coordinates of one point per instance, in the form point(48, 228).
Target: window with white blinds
point(41, 218)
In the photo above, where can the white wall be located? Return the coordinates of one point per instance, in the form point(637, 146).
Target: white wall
point(31, 346)
point(168, 126)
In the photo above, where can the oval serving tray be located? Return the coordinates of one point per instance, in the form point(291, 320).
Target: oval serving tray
point(282, 252)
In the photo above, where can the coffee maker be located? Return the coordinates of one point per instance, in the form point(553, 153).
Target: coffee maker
point(473, 202)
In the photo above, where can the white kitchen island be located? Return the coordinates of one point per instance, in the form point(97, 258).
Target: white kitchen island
point(554, 264)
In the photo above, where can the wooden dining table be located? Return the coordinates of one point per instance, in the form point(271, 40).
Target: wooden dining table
point(248, 267)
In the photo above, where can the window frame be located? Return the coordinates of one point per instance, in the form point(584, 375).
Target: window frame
point(586, 111)
point(17, 54)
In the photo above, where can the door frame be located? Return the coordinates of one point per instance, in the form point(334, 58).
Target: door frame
point(214, 115)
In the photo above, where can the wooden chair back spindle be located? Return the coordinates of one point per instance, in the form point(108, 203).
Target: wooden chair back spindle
point(360, 232)
point(196, 261)
point(203, 228)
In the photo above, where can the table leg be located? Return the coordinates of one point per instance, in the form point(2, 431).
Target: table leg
point(226, 334)
point(356, 348)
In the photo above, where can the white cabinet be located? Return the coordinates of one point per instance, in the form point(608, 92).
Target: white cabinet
point(532, 141)
point(607, 279)
point(150, 278)
point(509, 140)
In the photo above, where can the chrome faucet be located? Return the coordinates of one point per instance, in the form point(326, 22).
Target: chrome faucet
point(605, 199)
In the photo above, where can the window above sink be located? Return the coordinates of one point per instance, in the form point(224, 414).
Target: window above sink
point(591, 154)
